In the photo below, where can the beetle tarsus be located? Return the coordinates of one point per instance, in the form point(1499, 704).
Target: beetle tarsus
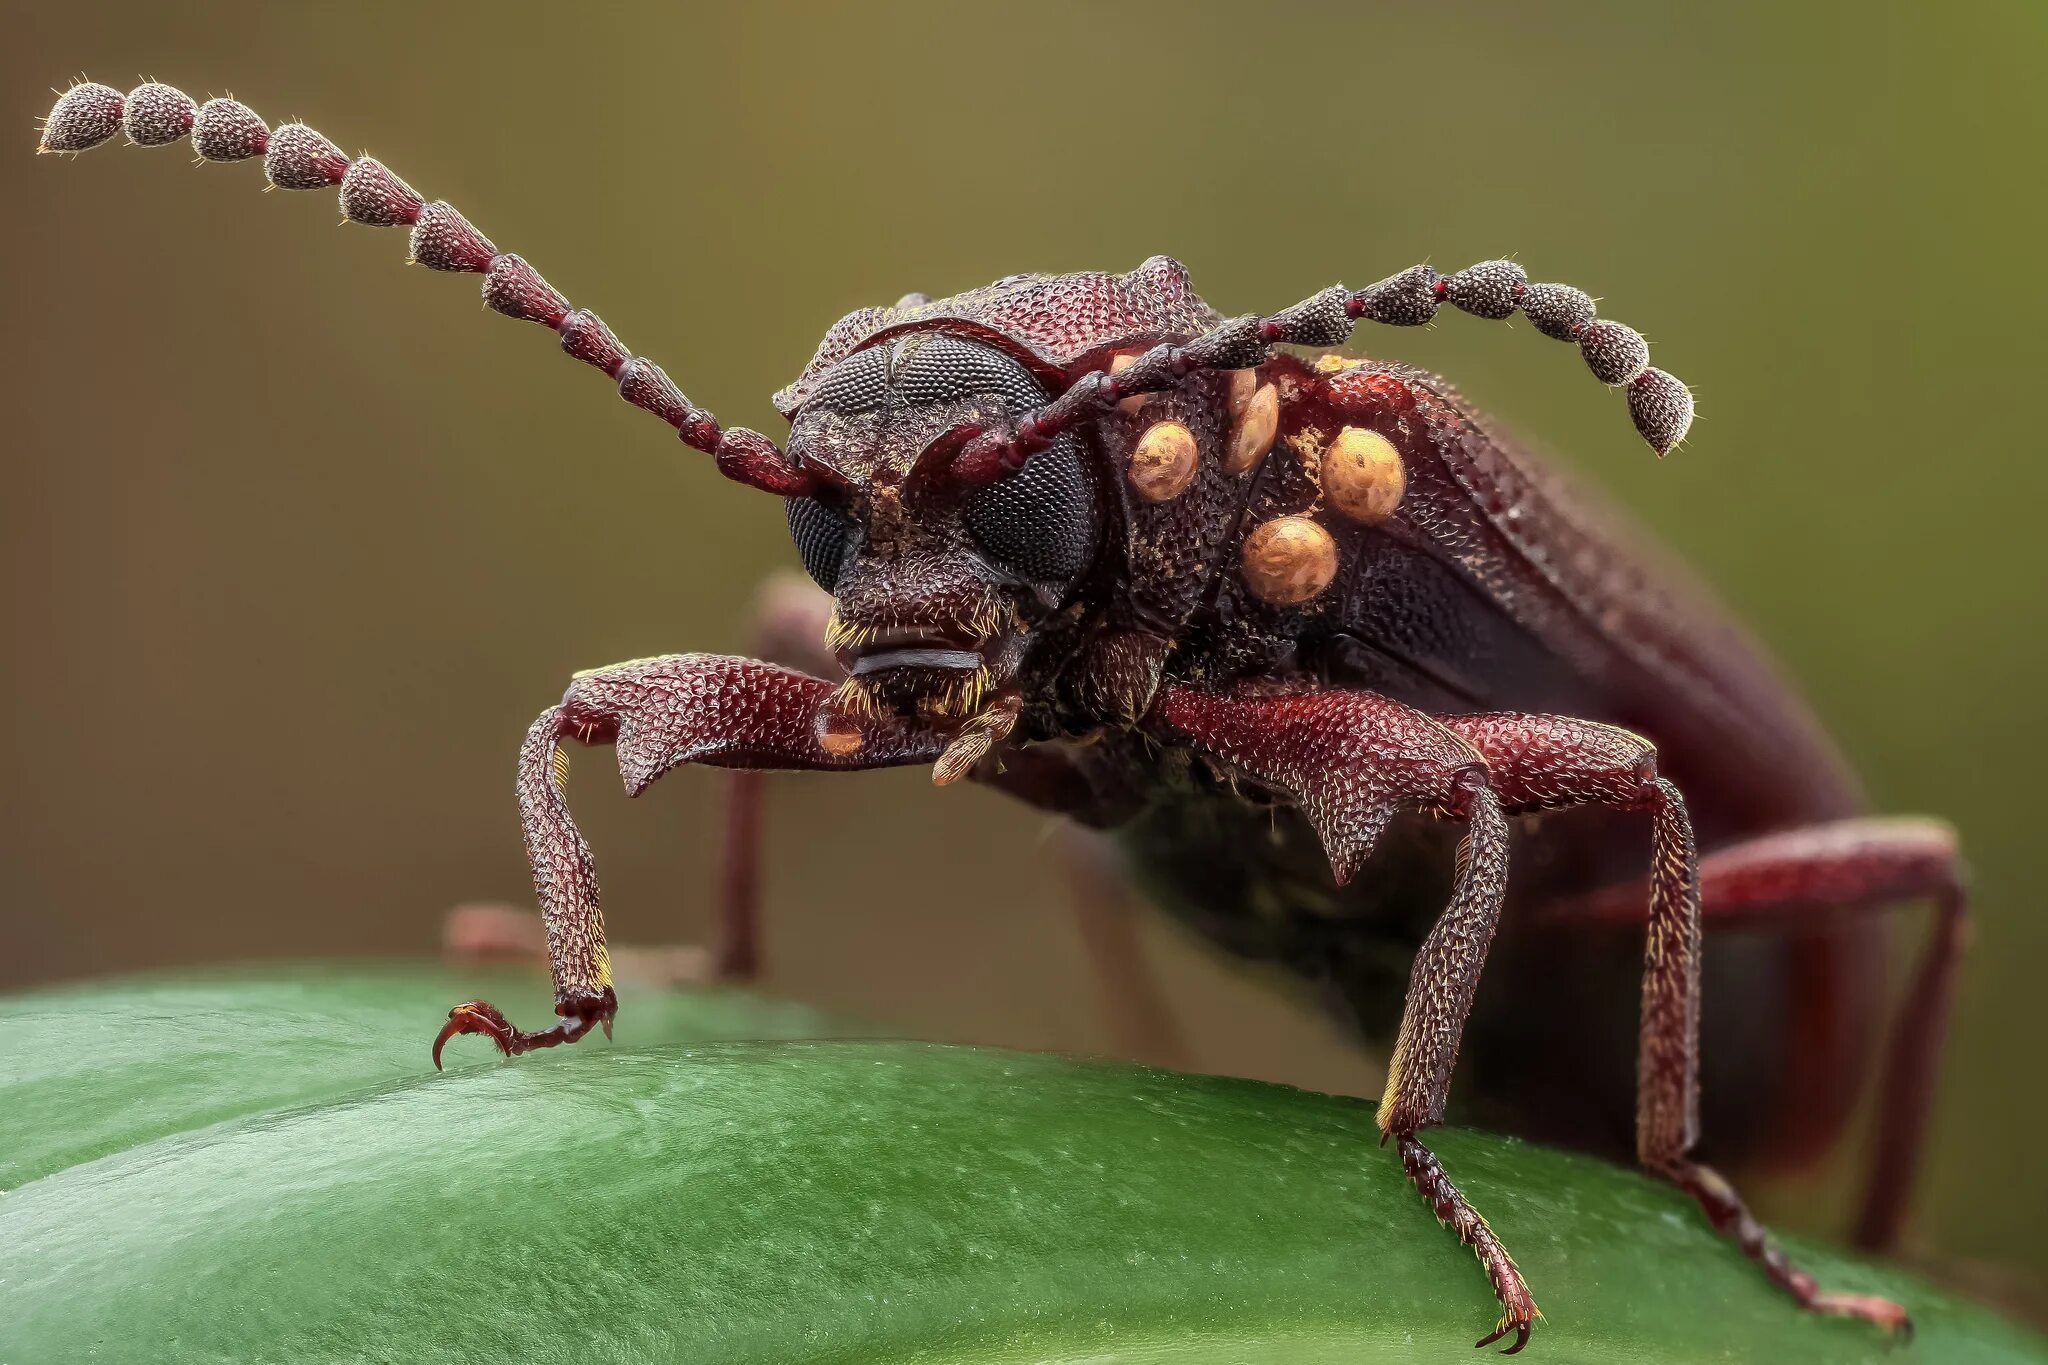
point(1732, 1219)
point(1869, 1307)
point(1518, 1306)
point(480, 1016)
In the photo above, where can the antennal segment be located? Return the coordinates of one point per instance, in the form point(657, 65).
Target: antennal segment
point(295, 157)
point(1659, 404)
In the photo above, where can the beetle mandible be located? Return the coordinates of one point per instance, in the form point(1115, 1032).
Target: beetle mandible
point(1268, 612)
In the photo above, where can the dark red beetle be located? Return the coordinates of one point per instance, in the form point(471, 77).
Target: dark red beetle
point(1319, 647)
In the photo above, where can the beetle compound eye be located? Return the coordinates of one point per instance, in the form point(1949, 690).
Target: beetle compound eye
point(1040, 522)
point(940, 368)
point(858, 383)
point(821, 534)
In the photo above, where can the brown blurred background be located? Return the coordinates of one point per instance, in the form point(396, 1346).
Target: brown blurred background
point(297, 540)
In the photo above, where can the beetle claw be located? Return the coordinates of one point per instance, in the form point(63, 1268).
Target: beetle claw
point(476, 1016)
point(1519, 1326)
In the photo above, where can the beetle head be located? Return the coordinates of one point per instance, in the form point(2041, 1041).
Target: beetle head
point(937, 589)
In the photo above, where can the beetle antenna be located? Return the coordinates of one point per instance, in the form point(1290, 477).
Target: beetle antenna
point(1658, 402)
point(297, 158)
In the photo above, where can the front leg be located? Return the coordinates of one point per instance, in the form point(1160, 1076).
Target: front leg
point(1352, 761)
point(659, 714)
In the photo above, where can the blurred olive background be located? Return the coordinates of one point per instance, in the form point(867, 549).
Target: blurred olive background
point(298, 540)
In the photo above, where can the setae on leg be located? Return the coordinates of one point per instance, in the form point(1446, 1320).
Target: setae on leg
point(658, 714)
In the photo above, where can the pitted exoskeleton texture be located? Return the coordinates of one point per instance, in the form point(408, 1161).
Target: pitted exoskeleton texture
point(1054, 319)
point(296, 157)
point(656, 714)
point(1659, 405)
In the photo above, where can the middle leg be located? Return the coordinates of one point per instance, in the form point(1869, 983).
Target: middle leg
point(1818, 874)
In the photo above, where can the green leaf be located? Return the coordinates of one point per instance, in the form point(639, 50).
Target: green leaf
point(102, 1067)
point(266, 1168)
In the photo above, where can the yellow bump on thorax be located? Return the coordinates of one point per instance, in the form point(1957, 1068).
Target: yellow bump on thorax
point(1252, 435)
point(1362, 475)
point(1163, 461)
point(1243, 384)
point(1117, 365)
point(1289, 560)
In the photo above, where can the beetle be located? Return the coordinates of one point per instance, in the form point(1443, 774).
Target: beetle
point(1318, 645)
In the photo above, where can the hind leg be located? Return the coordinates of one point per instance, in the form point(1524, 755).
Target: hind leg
point(1805, 876)
point(1134, 1009)
point(790, 618)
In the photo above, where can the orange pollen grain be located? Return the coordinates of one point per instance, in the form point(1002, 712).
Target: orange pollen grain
point(1163, 461)
point(1137, 400)
point(1362, 475)
point(1243, 384)
point(1253, 435)
point(1289, 560)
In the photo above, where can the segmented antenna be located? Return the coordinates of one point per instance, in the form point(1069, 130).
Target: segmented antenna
point(1658, 403)
point(297, 158)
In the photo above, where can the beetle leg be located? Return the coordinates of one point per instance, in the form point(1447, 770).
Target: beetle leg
point(790, 618)
point(1659, 403)
point(1816, 872)
point(789, 629)
point(1440, 989)
point(1133, 1005)
point(485, 933)
point(658, 714)
point(1554, 762)
point(1352, 761)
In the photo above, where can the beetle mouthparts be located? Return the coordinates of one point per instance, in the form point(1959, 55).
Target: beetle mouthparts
point(963, 660)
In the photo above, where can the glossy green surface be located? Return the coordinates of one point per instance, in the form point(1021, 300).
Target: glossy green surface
point(107, 1066)
point(280, 1176)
